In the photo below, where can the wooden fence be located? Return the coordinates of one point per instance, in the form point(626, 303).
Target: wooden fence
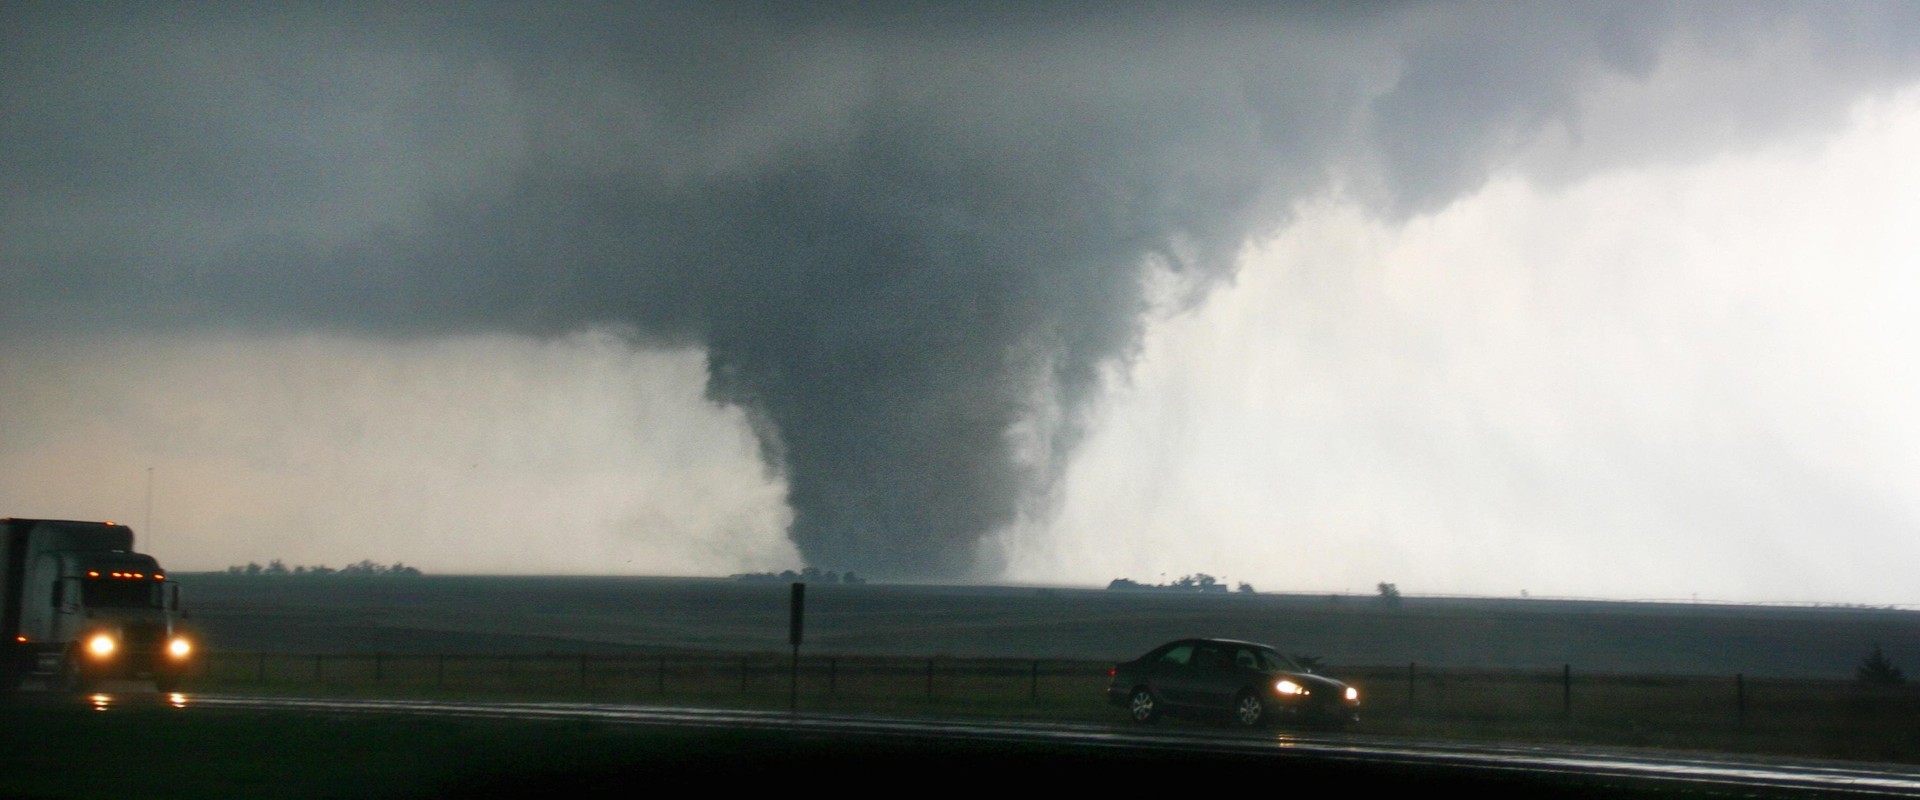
point(1834, 718)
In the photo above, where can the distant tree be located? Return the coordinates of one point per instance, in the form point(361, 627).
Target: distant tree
point(851, 579)
point(1244, 588)
point(1126, 583)
point(1878, 670)
point(365, 566)
point(321, 569)
point(299, 570)
point(253, 568)
point(1389, 594)
point(236, 569)
point(1198, 581)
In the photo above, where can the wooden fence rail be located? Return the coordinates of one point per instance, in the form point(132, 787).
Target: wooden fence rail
point(1412, 695)
point(1837, 718)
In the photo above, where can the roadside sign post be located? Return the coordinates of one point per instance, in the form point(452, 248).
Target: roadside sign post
point(797, 612)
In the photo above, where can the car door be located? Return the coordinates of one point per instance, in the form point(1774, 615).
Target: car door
point(1213, 678)
point(1171, 675)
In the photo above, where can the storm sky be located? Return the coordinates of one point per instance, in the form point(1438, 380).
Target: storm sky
point(1582, 299)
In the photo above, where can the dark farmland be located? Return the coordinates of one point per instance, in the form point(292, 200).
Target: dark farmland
point(1762, 680)
point(451, 615)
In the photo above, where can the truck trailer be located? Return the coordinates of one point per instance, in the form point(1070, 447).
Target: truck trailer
point(78, 605)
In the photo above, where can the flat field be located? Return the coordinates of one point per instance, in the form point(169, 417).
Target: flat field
point(1754, 679)
point(535, 615)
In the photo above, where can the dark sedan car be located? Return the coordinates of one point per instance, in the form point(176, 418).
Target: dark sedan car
point(1250, 684)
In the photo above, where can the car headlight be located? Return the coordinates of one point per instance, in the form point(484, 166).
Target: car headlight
point(1353, 694)
point(179, 647)
point(101, 645)
point(1285, 686)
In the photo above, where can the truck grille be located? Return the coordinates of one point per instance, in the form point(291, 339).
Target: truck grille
point(144, 638)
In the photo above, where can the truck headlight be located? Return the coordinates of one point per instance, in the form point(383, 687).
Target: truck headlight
point(101, 645)
point(179, 647)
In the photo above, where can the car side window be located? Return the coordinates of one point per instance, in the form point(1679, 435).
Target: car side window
point(1210, 657)
point(1177, 656)
point(1245, 659)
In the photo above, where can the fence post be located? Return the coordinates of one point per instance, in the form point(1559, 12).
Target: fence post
point(1566, 690)
point(833, 676)
point(929, 679)
point(1740, 700)
point(261, 674)
point(1412, 678)
point(440, 670)
point(1033, 686)
point(377, 667)
point(743, 675)
point(317, 673)
point(583, 672)
point(660, 677)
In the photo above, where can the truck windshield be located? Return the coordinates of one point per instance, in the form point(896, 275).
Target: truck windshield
point(119, 593)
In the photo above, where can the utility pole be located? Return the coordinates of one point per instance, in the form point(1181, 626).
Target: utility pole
point(147, 526)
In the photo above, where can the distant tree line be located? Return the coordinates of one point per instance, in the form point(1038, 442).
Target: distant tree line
point(808, 575)
point(1197, 582)
point(363, 567)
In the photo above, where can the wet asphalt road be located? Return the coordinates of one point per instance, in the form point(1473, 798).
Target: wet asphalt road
point(759, 750)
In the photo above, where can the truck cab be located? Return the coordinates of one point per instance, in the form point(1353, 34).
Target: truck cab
point(81, 606)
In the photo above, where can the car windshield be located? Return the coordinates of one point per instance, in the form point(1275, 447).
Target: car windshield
point(1267, 660)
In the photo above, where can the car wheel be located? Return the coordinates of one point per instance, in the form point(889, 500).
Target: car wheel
point(1248, 711)
point(1142, 706)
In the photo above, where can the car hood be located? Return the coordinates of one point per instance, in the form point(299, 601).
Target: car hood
point(1311, 681)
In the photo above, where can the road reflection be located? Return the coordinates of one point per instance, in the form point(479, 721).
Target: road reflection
point(127, 700)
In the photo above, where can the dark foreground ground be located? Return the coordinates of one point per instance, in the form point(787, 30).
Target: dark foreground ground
point(70, 751)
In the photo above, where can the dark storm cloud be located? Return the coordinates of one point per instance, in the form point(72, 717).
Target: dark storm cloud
point(902, 236)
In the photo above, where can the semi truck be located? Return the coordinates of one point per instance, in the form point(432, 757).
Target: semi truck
point(78, 606)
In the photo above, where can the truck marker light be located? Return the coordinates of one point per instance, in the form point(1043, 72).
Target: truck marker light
point(19, 638)
point(179, 648)
point(93, 573)
point(101, 644)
